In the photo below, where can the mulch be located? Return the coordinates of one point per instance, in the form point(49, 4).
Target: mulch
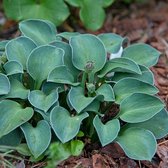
point(147, 23)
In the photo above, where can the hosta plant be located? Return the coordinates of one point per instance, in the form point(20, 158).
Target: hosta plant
point(91, 13)
point(55, 87)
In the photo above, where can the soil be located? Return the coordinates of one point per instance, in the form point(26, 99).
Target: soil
point(140, 22)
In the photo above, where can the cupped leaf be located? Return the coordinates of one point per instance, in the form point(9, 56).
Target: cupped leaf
point(3, 44)
point(67, 130)
point(125, 87)
point(146, 76)
point(38, 138)
point(13, 67)
point(40, 31)
point(87, 49)
point(19, 49)
point(4, 84)
point(157, 124)
point(67, 56)
point(106, 91)
point(42, 101)
point(75, 94)
point(12, 116)
point(17, 90)
point(94, 106)
point(48, 87)
point(67, 35)
point(137, 143)
point(106, 132)
point(120, 65)
point(42, 61)
point(57, 75)
point(112, 42)
point(139, 107)
point(12, 139)
point(143, 54)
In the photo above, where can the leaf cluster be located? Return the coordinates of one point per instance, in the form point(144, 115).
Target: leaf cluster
point(57, 11)
point(53, 86)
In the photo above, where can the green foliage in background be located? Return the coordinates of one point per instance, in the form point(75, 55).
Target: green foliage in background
point(92, 14)
point(55, 87)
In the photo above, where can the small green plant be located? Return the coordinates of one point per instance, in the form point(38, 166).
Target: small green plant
point(54, 87)
point(92, 14)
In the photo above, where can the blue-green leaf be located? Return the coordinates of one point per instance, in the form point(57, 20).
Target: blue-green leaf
point(38, 138)
point(106, 132)
point(12, 116)
point(40, 31)
point(157, 124)
point(120, 65)
point(42, 61)
point(127, 86)
point(57, 75)
point(42, 101)
point(146, 76)
point(75, 94)
point(143, 54)
point(17, 90)
point(139, 107)
point(106, 91)
point(112, 42)
point(67, 130)
point(4, 84)
point(137, 143)
point(86, 49)
point(19, 49)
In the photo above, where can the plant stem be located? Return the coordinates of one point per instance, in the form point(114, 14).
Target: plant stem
point(37, 85)
point(84, 77)
point(91, 77)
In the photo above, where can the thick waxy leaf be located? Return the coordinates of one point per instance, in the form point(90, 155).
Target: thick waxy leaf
point(139, 107)
point(38, 138)
point(42, 61)
point(146, 76)
point(13, 67)
point(106, 91)
point(67, 130)
point(137, 143)
point(61, 74)
point(75, 3)
point(120, 65)
point(143, 54)
point(157, 124)
point(40, 31)
point(112, 42)
point(4, 84)
point(3, 44)
point(12, 116)
point(48, 87)
point(67, 56)
point(75, 94)
point(125, 87)
point(17, 90)
point(42, 101)
point(87, 49)
point(12, 139)
point(106, 132)
point(68, 35)
point(94, 106)
point(19, 49)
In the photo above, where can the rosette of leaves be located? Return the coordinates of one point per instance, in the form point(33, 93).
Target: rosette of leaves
point(92, 14)
point(54, 86)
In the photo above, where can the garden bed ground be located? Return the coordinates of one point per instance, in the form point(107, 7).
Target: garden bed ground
point(140, 23)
